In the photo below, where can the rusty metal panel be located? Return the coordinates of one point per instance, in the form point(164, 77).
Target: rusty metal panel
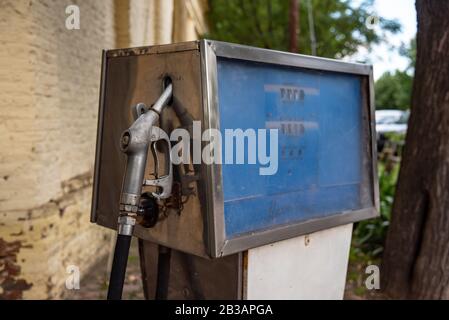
point(133, 76)
point(193, 277)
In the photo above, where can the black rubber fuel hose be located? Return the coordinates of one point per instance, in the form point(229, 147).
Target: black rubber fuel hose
point(118, 271)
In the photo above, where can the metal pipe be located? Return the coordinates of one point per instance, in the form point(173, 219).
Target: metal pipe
point(163, 99)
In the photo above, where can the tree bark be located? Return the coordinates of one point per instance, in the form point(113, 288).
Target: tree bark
point(416, 259)
point(294, 25)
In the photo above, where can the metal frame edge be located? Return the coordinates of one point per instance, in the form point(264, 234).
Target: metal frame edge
point(214, 195)
point(93, 212)
point(242, 52)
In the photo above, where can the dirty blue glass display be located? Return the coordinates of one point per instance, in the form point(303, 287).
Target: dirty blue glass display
point(319, 120)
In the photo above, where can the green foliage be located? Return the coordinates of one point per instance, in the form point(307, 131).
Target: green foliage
point(395, 137)
point(340, 25)
point(395, 143)
point(393, 90)
point(369, 235)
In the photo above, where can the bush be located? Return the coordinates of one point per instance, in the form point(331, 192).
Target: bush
point(369, 235)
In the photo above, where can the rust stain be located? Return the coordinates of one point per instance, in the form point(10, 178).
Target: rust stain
point(306, 240)
point(167, 48)
point(13, 287)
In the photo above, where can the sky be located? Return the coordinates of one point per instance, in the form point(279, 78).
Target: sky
point(382, 58)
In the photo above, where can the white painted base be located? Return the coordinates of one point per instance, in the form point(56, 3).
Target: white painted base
point(307, 267)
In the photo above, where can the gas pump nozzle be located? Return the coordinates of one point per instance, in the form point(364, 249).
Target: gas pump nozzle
point(135, 143)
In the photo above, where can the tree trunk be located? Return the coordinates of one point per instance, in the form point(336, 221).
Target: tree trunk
point(416, 258)
point(294, 25)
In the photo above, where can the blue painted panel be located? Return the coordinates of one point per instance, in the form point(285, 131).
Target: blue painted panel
point(319, 120)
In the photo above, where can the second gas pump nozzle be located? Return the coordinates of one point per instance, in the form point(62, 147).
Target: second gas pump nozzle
point(135, 143)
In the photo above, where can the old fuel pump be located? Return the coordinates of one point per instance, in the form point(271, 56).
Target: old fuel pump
point(297, 155)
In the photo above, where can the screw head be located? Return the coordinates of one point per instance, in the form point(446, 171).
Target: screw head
point(125, 140)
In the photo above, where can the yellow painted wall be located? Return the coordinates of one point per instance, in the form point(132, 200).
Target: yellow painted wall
point(49, 87)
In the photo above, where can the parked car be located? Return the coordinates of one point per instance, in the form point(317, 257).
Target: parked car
point(389, 121)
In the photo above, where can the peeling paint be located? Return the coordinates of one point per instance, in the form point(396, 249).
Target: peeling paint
point(12, 286)
point(52, 227)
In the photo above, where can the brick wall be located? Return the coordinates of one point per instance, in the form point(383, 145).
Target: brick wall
point(49, 82)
